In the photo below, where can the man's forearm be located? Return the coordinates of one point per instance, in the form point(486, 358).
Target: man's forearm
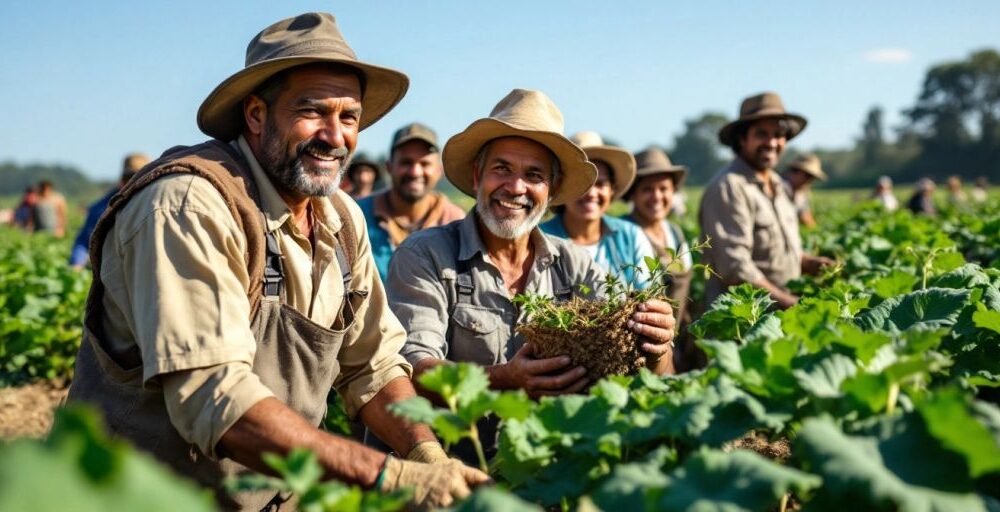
point(398, 433)
point(271, 426)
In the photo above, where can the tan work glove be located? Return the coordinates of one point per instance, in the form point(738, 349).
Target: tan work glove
point(429, 452)
point(434, 485)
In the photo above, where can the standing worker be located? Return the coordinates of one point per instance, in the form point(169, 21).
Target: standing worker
point(234, 286)
point(49, 212)
point(798, 179)
point(746, 213)
point(79, 257)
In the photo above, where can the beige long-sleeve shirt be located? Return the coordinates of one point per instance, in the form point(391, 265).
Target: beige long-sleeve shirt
point(176, 284)
point(752, 235)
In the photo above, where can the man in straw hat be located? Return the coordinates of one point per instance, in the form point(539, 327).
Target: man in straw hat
point(79, 256)
point(745, 212)
point(234, 285)
point(452, 286)
point(798, 179)
point(617, 245)
point(410, 203)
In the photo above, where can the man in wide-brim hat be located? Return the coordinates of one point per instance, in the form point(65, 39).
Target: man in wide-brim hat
point(453, 286)
point(617, 245)
point(798, 179)
point(234, 285)
point(745, 211)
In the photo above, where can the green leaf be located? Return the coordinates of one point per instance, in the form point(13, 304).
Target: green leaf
point(823, 375)
point(897, 282)
point(987, 320)
point(739, 480)
point(491, 499)
point(948, 417)
point(512, 405)
point(895, 466)
point(929, 309)
point(460, 382)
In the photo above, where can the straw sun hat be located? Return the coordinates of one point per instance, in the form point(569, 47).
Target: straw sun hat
point(528, 114)
point(304, 39)
point(621, 162)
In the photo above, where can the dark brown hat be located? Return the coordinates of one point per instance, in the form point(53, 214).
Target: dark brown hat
point(766, 105)
point(414, 131)
point(304, 39)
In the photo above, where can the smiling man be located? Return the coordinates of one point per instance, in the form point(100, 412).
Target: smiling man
point(452, 287)
point(745, 211)
point(411, 203)
point(234, 286)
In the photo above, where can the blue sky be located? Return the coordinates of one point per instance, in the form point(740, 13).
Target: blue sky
point(83, 83)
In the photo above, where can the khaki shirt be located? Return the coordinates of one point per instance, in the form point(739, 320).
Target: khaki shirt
point(421, 289)
point(752, 235)
point(176, 284)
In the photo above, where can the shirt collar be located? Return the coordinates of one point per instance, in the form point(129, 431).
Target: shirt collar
point(742, 167)
point(470, 243)
point(274, 207)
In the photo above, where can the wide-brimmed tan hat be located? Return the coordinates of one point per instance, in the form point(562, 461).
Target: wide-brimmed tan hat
point(621, 162)
point(652, 161)
point(809, 164)
point(304, 39)
point(528, 114)
point(766, 105)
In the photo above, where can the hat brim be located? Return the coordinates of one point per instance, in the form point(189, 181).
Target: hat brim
point(677, 172)
point(622, 165)
point(815, 173)
point(727, 135)
point(221, 114)
point(459, 155)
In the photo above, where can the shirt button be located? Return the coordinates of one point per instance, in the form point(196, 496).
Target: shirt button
point(499, 281)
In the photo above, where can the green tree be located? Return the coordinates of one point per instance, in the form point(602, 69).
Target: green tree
point(698, 147)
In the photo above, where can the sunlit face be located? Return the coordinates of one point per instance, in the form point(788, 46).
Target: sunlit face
point(652, 197)
point(513, 186)
point(763, 144)
point(311, 130)
point(415, 169)
point(593, 204)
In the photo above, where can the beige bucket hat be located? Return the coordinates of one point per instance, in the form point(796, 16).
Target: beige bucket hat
point(304, 39)
point(528, 114)
point(809, 164)
point(622, 162)
point(766, 105)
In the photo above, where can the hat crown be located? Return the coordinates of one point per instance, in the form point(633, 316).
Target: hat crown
point(529, 110)
point(312, 33)
point(587, 139)
point(653, 158)
point(806, 160)
point(763, 102)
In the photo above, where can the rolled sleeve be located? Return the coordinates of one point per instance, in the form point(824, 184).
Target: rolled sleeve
point(203, 404)
point(369, 358)
point(418, 299)
point(728, 224)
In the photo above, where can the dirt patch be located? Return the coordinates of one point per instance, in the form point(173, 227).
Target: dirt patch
point(778, 450)
point(26, 411)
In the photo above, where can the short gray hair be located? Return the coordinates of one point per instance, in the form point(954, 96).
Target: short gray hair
point(480, 162)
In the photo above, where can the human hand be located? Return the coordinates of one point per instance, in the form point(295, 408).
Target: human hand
point(429, 452)
point(434, 485)
point(812, 265)
point(654, 322)
point(535, 376)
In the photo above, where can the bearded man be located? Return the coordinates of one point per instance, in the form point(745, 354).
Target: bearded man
point(234, 286)
point(746, 213)
point(453, 286)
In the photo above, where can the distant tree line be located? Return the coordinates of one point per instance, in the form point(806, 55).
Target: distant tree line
point(953, 128)
point(15, 178)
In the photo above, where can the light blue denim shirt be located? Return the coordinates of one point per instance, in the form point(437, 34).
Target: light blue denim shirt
point(622, 244)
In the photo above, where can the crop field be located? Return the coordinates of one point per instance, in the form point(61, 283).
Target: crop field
point(878, 391)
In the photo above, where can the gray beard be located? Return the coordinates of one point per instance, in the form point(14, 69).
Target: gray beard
point(294, 176)
point(508, 229)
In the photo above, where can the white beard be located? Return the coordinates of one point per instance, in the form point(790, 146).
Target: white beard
point(508, 229)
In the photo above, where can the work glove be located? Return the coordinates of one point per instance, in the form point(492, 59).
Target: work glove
point(428, 451)
point(434, 485)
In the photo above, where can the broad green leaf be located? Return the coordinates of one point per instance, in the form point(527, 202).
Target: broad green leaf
point(627, 486)
point(987, 320)
point(822, 376)
point(897, 466)
point(895, 283)
point(462, 382)
point(512, 405)
point(931, 308)
point(739, 480)
point(492, 499)
point(948, 417)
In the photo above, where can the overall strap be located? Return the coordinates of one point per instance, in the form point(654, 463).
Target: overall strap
point(561, 287)
point(274, 275)
point(346, 240)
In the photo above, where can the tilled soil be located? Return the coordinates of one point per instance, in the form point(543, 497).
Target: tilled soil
point(778, 450)
point(26, 411)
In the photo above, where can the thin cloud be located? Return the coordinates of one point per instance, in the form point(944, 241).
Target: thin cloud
point(888, 56)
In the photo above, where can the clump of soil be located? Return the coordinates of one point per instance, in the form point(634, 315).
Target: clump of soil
point(778, 450)
point(27, 411)
point(603, 344)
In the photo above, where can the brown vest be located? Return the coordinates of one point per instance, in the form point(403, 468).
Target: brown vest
point(296, 358)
